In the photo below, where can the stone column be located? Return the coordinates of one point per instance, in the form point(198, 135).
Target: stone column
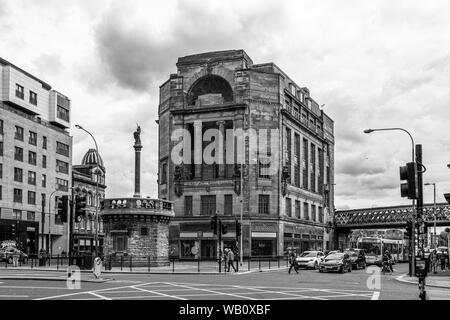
point(221, 147)
point(137, 170)
point(198, 149)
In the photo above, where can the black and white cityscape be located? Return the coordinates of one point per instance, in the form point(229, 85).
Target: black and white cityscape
point(241, 150)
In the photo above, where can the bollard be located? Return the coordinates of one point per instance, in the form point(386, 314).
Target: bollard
point(269, 263)
point(57, 262)
point(131, 263)
point(259, 261)
point(198, 264)
point(121, 262)
point(32, 261)
point(278, 258)
point(173, 265)
point(148, 263)
point(249, 263)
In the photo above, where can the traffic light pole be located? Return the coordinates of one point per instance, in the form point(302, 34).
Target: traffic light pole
point(71, 211)
point(220, 245)
point(422, 275)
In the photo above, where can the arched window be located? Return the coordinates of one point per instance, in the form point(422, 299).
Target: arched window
point(210, 84)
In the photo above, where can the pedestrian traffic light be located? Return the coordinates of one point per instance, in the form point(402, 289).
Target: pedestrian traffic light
point(238, 229)
point(62, 207)
point(409, 228)
point(214, 224)
point(409, 189)
point(224, 228)
point(80, 207)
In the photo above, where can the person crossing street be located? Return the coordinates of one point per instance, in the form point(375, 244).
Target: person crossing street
point(230, 259)
point(292, 256)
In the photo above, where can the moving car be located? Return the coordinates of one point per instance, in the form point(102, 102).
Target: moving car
point(357, 258)
point(309, 259)
point(336, 262)
point(6, 254)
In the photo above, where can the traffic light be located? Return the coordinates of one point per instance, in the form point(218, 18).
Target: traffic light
point(80, 207)
point(224, 228)
point(214, 224)
point(409, 189)
point(238, 229)
point(62, 207)
point(409, 228)
point(13, 230)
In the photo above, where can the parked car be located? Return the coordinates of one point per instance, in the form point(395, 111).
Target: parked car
point(331, 252)
point(336, 262)
point(309, 259)
point(357, 258)
point(6, 254)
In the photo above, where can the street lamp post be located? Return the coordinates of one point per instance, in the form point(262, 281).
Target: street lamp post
point(433, 242)
point(413, 245)
point(96, 189)
point(50, 249)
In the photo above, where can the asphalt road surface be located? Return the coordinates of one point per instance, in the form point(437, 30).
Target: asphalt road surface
point(268, 285)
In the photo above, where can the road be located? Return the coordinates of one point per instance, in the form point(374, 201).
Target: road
point(268, 285)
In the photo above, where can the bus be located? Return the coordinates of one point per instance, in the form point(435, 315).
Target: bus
point(375, 246)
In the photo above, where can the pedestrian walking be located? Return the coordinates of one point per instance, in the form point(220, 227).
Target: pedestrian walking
point(442, 258)
point(292, 256)
point(433, 261)
point(224, 258)
point(16, 256)
point(230, 259)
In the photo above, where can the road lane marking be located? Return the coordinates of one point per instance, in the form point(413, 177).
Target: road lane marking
point(99, 296)
point(212, 291)
point(12, 296)
point(375, 295)
point(155, 292)
point(277, 292)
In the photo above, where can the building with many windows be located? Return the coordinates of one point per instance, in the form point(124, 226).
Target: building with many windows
point(84, 179)
point(35, 160)
point(212, 94)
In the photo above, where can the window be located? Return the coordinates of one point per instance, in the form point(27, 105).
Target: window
point(18, 134)
point(62, 166)
point(264, 166)
point(18, 154)
point(44, 142)
point(288, 151)
point(228, 205)
point(164, 173)
point(44, 181)
point(119, 242)
point(1, 194)
point(1, 148)
point(62, 185)
point(188, 205)
point(313, 168)
point(17, 214)
point(18, 175)
point(320, 214)
point(288, 207)
point(208, 205)
point(31, 216)
point(33, 98)
point(32, 138)
point(32, 157)
point(62, 149)
point(297, 160)
point(31, 197)
point(32, 178)
point(305, 164)
point(1, 170)
point(18, 195)
point(63, 113)
point(19, 91)
point(313, 212)
point(144, 231)
point(263, 204)
point(1, 126)
point(44, 161)
point(306, 211)
point(297, 209)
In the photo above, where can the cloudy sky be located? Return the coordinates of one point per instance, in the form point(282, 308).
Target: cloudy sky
point(372, 63)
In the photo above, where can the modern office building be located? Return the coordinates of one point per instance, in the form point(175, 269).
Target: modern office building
point(285, 191)
point(84, 180)
point(35, 160)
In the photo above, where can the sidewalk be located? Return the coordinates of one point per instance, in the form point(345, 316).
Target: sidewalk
point(439, 281)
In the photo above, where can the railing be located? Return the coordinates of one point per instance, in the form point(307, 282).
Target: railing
point(146, 264)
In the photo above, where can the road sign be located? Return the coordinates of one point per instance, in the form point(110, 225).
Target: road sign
point(194, 250)
point(97, 267)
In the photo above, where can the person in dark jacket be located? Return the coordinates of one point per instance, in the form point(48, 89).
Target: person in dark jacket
point(292, 256)
point(442, 258)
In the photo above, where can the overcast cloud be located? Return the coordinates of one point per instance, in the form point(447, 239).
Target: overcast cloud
point(372, 63)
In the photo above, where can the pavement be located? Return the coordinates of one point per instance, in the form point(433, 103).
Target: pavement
point(430, 281)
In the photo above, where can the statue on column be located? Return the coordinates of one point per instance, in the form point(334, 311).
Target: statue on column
point(137, 136)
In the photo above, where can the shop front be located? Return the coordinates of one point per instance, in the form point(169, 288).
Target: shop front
point(264, 244)
point(23, 234)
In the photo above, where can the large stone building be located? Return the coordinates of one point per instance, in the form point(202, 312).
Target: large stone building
point(292, 206)
point(84, 179)
point(35, 160)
